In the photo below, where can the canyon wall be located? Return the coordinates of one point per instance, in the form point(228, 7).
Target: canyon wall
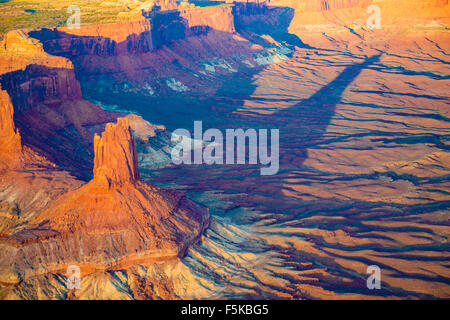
point(113, 38)
point(45, 67)
point(319, 5)
point(105, 226)
point(51, 115)
point(141, 35)
point(335, 15)
point(40, 84)
point(18, 50)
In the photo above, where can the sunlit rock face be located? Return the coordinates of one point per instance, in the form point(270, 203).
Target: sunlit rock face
point(18, 50)
point(39, 84)
point(115, 161)
point(28, 180)
point(364, 161)
point(320, 5)
point(216, 18)
point(338, 18)
point(114, 221)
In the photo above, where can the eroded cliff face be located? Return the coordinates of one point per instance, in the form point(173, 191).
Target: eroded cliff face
point(114, 221)
point(116, 226)
point(39, 84)
point(54, 119)
point(28, 181)
point(140, 35)
point(41, 98)
point(161, 53)
point(49, 111)
point(217, 18)
point(52, 116)
point(10, 141)
point(18, 50)
point(320, 5)
point(342, 16)
point(112, 39)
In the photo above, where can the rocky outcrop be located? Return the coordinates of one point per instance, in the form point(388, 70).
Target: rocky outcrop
point(38, 87)
point(167, 27)
point(115, 161)
point(141, 35)
point(145, 69)
point(18, 50)
point(323, 23)
point(319, 5)
point(52, 117)
point(105, 225)
point(220, 18)
point(101, 40)
point(10, 141)
point(28, 181)
point(39, 84)
point(114, 39)
point(251, 8)
point(395, 13)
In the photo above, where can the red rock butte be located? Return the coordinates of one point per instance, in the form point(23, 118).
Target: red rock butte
point(115, 161)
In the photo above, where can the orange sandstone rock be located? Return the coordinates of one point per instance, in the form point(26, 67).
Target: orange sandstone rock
point(115, 161)
point(18, 50)
point(114, 221)
point(10, 141)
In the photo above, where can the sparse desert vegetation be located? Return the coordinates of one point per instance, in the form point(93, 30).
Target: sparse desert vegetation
point(33, 14)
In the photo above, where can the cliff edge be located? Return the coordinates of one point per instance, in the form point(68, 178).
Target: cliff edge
point(10, 141)
point(115, 161)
